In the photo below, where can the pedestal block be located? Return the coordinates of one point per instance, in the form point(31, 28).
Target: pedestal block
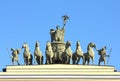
point(60, 72)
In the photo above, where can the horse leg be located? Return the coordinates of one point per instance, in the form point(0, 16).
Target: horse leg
point(35, 59)
point(27, 61)
point(13, 61)
point(78, 60)
point(88, 61)
point(104, 61)
point(83, 58)
point(99, 62)
point(31, 59)
point(47, 61)
point(18, 63)
point(40, 60)
point(67, 59)
point(50, 60)
point(84, 62)
point(92, 60)
point(73, 60)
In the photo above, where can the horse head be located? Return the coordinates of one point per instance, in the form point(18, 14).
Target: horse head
point(24, 45)
point(68, 43)
point(91, 44)
point(37, 44)
point(78, 43)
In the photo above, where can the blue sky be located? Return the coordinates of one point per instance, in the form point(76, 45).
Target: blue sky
point(31, 20)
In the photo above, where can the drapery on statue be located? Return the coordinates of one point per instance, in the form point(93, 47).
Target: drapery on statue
point(57, 35)
point(102, 53)
point(15, 53)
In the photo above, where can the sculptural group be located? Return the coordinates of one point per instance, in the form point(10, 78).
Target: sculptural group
point(65, 57)
point(59, 52)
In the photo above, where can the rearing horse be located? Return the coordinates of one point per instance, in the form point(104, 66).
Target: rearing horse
point(27, 55)
point(49, 53)
point(77, 54)
point(90, 53)
point(38, 54)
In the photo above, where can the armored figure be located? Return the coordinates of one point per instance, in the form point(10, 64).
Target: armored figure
point(102, 53)
point(52, 33)
point(15, 53)
point(58, 34)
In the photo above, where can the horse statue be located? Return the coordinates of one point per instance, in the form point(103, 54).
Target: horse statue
point(49, 53)
point(67, 54)
point(27, 55)
point(90, 53)
point(38, 57)
point(15, 53)
point(77, 54)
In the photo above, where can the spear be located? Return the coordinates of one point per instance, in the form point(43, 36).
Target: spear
point(109, 55)
point(9, 53)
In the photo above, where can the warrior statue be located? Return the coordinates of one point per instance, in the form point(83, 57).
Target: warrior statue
point(15, 53)
point(58, 34)
point(102, 53)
